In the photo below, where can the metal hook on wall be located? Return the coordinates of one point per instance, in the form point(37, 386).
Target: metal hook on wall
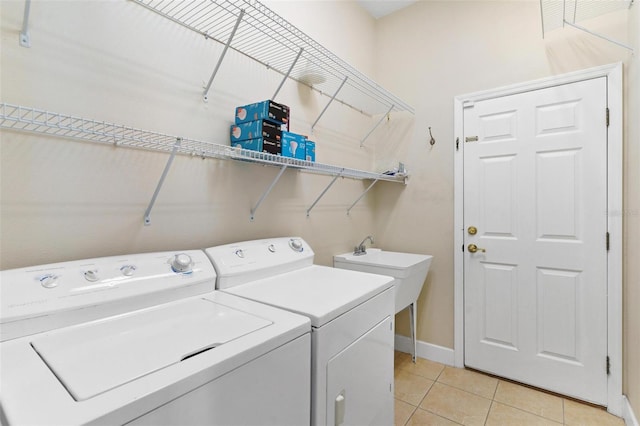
point(432, 141)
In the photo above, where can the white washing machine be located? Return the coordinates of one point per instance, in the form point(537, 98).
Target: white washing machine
point(351, 316)
point(145, 339)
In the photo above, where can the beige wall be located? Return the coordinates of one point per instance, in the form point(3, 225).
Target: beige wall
point(118, 62)
point(631, 221)
point(434, 50)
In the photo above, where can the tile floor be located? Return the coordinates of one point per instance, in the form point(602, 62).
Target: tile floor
point(429, 393)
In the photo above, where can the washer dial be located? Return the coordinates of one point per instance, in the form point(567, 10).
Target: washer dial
point(181, 263)
point(48, 280)
point(128, 270)
point(91, 275)
point(296, 244)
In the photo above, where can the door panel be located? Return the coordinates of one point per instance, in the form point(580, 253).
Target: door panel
point(500, 305)
point(535, 187)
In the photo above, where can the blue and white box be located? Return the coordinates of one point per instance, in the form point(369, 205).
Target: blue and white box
point(268, 109)
point(250, 144)
point(255, 129)
point(270, 146)
point(294, 145)
point(310, 148)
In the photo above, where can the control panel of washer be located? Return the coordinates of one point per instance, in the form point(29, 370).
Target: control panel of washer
point(48, 289)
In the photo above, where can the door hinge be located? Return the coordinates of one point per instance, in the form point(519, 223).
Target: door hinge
point(608, 365)
point(457, 143)
point(608, 240)
point(607, 116)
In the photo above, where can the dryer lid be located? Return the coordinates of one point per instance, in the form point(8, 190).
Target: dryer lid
point(318, 292)
point(93, 358)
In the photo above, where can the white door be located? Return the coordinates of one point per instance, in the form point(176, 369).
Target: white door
point(535, 187)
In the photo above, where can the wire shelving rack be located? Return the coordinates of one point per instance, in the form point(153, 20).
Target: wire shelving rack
point(33, 120)
point(254, 30)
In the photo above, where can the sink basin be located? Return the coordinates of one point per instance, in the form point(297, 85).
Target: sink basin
point(409, 270)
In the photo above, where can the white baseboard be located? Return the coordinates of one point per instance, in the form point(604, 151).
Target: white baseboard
point(630, 418)
point(425, 350)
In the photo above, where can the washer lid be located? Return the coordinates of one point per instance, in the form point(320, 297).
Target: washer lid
point(102, 355)
point(318, 292)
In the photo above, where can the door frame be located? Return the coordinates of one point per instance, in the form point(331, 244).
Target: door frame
point(613, 73)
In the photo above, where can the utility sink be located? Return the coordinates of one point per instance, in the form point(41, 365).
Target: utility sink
point(409, 270)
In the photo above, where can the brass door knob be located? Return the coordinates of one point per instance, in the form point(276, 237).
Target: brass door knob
point(472, 230)
point(474, 248)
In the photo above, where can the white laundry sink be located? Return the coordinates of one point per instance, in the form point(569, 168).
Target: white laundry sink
point(410, 270)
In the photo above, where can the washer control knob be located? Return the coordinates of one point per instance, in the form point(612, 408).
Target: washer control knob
point(91, 275)
point(272, 248)
point(181, 263)
point(49, 281)
point(296, 244)
point(240, 253)
point(128, 270)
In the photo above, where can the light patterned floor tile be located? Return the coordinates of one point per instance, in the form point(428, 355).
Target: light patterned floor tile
point(422, 367)
point(411, 388)
point(585, 415)
point(469, 381)
point(504, 415)
point(456, 405)
point(531, 400)
point(425, 418)
point(402, 413)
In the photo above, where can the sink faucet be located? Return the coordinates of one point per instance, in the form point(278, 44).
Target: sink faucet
point(360, 249)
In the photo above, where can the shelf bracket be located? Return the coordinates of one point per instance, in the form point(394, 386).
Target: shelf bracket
point(376, 126)
point(268, 190)
point(324, 192)
point(288, 73)
point(362, 195)
point(25, 38)
point(147, 213)
point(224, 52)
point(329, 103)
point(593, 33)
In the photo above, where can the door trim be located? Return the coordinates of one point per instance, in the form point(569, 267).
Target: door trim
point(613, 73)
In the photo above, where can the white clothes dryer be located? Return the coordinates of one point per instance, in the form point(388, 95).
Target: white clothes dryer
point(145, 339)
point(351, 316)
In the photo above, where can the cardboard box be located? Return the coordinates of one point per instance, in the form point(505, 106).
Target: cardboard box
point(310, 148)
point(255, 129)
point(271, 146)
point(294, 145)
point(268, 109)
point(250, 144)
point(267, 145)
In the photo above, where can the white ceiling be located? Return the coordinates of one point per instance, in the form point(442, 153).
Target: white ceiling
point(380, 8)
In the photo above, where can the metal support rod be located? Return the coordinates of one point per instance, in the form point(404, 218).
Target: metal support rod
point(25, 38)
point(324, 192)
point(376, 126)
point(147, 213)
point(329, 103)
point(288, 73)
point(363, 194)
point(224, 52)
point(599, 35)
point(264, 195)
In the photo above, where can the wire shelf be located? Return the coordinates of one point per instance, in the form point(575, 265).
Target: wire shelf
point(555, 13)
point(35, 120)
point(269, 39)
